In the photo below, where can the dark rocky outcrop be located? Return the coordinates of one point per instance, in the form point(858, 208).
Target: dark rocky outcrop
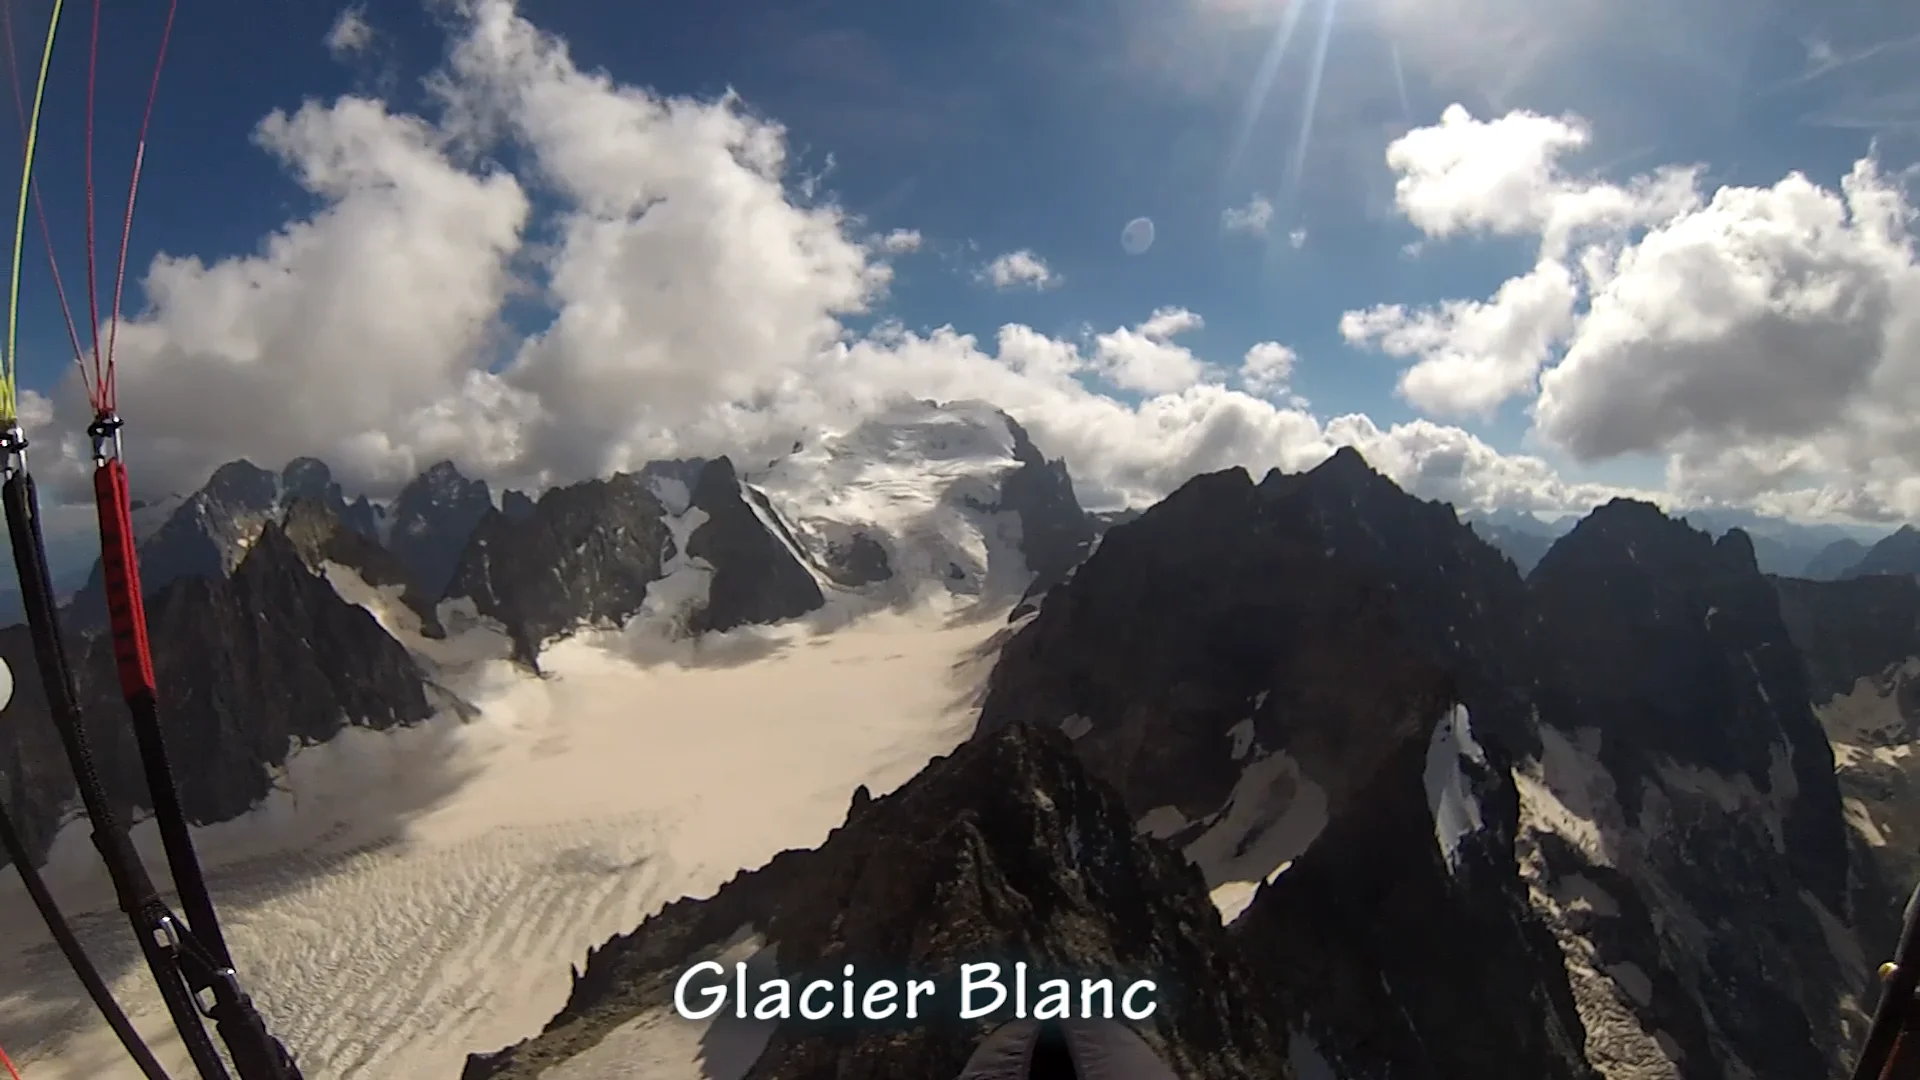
point(1370, 940)
point(756, 577)
point(1669, 648)
point(859, 560)
point(1055, 533)
point(1458, 602)
point(1855, 629)
point(1295, 611)
point(1186, 618)
point(268, 658)
point(517, 505)
point(1639, 649)
point(321, 537)
point(1860, 639)
point(248, 666)
point(1006, 850)
point(586, 555)
point(310, 479)
point(672, 480)
point(432, 518)
point(1673, 645)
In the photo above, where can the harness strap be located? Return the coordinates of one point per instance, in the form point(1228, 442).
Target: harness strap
point(182, 966)
point(75, 953)
point(126, 611)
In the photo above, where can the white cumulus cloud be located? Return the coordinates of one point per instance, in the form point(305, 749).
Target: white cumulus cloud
point(1254, 217)
point(1504, 176)
point(1267, 369)
point(1019, 270)
point(1146, 358)
point(1765, 340)
point(350, 33)
point(901, 241)
point(1474, 355)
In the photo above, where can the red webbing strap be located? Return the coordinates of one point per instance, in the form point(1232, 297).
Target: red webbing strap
point(1892, 1069)
point(125, 607)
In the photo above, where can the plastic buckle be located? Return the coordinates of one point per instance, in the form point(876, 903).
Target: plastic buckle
point(105, 432)
point(13, 449)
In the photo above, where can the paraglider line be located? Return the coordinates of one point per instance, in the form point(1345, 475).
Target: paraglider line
point(9, 379)
point(40, 204)
point(107, 395)
point(93, 297)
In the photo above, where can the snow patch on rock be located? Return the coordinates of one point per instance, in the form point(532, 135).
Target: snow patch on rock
point(1273, 815)
point(1456, 813)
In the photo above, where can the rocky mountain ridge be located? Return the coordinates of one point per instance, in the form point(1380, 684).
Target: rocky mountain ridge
point(688, 540)
point(1300, 744)
point(1600, 795)
point(1860, 640)
point(312, 664)
point(1895, 554)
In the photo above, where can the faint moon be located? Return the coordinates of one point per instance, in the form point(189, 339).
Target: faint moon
point(6, 684)
point(1137, 237)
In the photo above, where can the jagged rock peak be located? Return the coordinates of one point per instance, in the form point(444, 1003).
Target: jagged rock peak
point(1647, 619)
point(586, 554)
point(306, 478)
point(433, 516)
point(758, 576)
point(242, 484)
point(271, 657)
point(1348, 463)
point(1630, 531)
point(248, 667)
point(715, 478)
point(1056, 533)
point(516, 504)
point(1024, 449)
point(321, 536)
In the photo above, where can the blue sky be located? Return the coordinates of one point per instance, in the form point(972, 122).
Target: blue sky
point(998, 126)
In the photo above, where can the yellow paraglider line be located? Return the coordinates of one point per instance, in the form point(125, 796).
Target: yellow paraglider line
point(9, 384)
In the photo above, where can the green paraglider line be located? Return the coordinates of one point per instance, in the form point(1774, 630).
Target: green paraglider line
point(9, 368)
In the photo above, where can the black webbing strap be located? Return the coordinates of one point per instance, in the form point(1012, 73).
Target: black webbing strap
point(188, 879)
point(181, 968)
point(75, 953)
point(1895, 1011)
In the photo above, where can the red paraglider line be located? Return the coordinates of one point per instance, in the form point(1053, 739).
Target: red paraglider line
point(93, 298)
point(8, 1062)
point(126, 223)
